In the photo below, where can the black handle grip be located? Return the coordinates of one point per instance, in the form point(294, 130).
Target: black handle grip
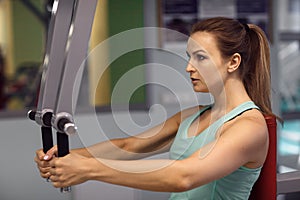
point(62, 144)
point(47, 138)
point(62, 150)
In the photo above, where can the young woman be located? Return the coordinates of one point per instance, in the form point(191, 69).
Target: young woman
point(216, 151)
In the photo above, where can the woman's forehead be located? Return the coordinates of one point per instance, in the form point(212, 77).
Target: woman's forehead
point(202, 41)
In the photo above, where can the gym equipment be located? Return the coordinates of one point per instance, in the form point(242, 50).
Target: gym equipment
point(66, 50)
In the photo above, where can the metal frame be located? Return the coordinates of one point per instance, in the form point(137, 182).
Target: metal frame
point(288, 182)
point(66, 49)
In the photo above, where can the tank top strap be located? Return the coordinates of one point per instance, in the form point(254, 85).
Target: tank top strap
point(235, 112)
point(190, 119)
point(240, 110)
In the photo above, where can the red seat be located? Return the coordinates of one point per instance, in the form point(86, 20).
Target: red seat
point(265, 187)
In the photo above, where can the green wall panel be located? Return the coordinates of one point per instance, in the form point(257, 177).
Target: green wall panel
point(27, 34)
point(123, 16)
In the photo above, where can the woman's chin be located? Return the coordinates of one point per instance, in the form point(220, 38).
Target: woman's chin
point(200, 89)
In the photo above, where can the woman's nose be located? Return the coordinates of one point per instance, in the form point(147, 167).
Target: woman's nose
point(190, 67)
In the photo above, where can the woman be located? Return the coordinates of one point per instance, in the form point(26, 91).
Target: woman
point(216, 151)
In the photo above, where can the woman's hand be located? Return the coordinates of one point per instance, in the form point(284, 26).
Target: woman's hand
point(42, 161)
point(69, 170)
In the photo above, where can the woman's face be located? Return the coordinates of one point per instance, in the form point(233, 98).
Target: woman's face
point(205, 66)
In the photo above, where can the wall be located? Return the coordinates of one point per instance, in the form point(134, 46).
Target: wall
point(19, 178)
point(124, 16)
point(27, 34)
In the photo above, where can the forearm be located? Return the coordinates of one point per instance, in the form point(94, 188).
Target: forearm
point(153, 141)
point(107, 149)
point(111, 149)
point(83, 152)
point(153, 175)
point(117, 149)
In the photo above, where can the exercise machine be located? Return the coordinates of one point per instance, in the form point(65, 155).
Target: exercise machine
point(65, 57)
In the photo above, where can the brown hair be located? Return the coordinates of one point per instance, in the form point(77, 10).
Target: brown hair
point(251, 43)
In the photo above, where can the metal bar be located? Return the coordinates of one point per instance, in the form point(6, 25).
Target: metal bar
point(76, 51)
point(55, 53)
point(74, 63)
point(66, 50)
point(59, 39)
point(53, 63)
point(59, 27)
point(288, 182)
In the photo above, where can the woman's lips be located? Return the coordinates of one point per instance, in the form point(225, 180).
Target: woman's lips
point(194, 80)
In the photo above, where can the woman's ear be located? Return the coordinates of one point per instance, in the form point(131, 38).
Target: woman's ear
point(234, 62)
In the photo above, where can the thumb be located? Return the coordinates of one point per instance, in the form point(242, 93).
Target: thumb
point(52, 152)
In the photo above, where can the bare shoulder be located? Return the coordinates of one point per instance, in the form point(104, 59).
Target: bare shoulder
point(249, 127)
point(249, 135)
point(253, 120)
point(250, 121)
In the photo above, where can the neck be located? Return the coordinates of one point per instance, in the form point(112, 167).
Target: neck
point(231, 94)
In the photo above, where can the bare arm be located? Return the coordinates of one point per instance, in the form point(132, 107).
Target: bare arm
point(239, 148)
point(153, 141)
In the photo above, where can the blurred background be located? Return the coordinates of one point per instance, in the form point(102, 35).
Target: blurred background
point(157, 73)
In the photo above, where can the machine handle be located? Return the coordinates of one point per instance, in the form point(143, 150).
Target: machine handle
point(47, 138)
point(62, 150)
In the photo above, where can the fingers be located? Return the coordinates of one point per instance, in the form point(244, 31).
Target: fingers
point(40, 154)
point(44, 172)
point(40, 161)
point(58, 179)
point(51, 167)
point(43, 167)
point(42, 164)
point(53, 163)
point(51, 153)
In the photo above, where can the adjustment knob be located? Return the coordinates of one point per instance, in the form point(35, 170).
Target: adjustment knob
point(70, 128)
point(31, 114)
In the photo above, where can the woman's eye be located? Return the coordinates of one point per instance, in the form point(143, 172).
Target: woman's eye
point(200, 57)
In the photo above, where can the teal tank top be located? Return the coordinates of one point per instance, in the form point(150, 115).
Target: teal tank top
point(235, 186)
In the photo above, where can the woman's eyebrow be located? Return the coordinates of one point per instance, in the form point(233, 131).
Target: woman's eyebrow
point(195, 52)
point(199, 51)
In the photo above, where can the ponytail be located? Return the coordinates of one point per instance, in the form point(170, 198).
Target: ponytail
point(258, 79)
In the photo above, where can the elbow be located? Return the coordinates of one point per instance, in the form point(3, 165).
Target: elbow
point(183, 178)
point(183, 183)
